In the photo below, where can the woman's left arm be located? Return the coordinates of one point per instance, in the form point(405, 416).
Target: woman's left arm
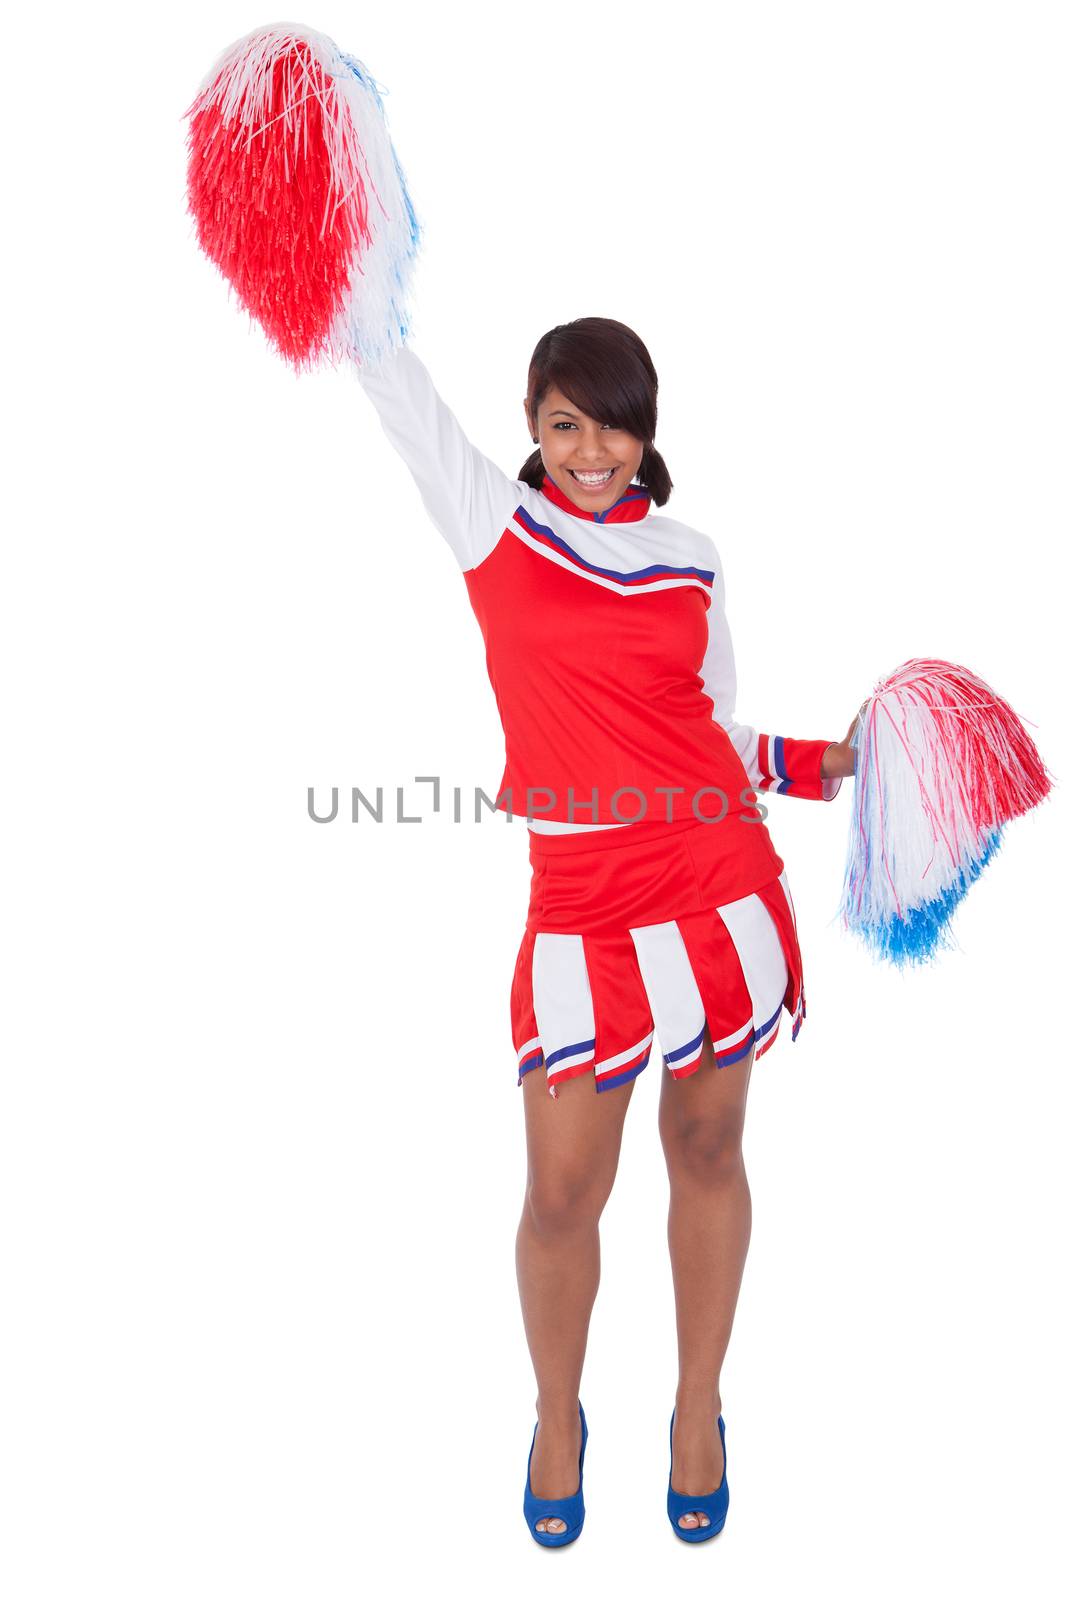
point(839, 760)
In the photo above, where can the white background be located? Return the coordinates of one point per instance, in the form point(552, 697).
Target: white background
point(263, 1154)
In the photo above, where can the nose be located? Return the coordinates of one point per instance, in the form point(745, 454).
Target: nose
point(591, 451)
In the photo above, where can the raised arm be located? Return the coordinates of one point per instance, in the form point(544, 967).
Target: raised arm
point(468, 498)
point(772, 762)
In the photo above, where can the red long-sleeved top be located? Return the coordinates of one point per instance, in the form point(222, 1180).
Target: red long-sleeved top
point(606, 642)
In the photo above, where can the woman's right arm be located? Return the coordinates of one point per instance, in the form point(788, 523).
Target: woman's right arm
point(469, 499)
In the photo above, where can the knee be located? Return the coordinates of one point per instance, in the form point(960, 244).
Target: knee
point(559, 1200)
point(707, 1149)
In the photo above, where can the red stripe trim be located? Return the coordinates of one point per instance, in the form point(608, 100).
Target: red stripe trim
point(564, 1073)
point(765, 1044)
point(618, 1072)
point(622, 579)
point(623, 1065)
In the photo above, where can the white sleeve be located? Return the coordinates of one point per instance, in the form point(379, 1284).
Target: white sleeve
point(772, 762)
point(468, 498)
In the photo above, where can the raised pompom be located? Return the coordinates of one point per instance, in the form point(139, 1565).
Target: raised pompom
point(942, 764)
point(299, 199)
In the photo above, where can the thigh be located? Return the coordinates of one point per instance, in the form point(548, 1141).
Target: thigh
point(579, 1133)
point(711, 1098)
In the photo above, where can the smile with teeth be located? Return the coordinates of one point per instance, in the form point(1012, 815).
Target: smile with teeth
point(592, 480)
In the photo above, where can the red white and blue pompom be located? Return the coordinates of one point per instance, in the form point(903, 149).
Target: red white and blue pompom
point(299, 199)
point(942, 764)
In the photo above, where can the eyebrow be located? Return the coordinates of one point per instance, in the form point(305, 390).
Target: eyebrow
point(558, 413)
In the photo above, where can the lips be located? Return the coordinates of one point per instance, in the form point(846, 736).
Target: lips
point(596, 482)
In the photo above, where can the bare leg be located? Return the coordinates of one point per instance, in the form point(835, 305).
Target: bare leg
point(701, 1121)
point(572, 1148)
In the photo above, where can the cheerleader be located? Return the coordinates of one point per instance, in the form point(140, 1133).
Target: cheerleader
point(659, 910)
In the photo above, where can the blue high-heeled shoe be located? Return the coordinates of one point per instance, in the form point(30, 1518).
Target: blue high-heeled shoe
point(714, 1506)
point(571, 1509)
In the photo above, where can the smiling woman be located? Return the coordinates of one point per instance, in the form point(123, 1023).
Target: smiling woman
point(591, 409)
point(595, 456)
point(608, 650)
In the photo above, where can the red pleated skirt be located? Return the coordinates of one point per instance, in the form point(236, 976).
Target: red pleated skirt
point(662, 929)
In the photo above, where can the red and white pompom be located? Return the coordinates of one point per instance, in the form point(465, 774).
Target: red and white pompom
point(942, 763)
point(299, 199)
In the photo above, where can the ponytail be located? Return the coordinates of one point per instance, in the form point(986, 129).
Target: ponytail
point(532, 470)
point(654, 475)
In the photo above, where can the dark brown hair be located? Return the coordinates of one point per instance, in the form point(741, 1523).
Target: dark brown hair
point(605, 370)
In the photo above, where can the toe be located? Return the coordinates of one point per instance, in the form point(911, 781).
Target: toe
point(551, 1525)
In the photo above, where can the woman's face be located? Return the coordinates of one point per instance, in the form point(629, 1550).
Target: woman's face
point(577, 451)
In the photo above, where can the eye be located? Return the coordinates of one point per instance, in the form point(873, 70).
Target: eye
point(612, 425)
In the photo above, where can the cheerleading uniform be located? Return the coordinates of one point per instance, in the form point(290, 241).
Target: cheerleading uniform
point(658, 902)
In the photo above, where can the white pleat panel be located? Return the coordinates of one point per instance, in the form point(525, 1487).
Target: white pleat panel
point(563, 1001)
point(759, 950)
point(673, 995)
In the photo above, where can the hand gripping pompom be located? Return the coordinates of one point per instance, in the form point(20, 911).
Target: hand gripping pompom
point(942, 763)
point(299, 199)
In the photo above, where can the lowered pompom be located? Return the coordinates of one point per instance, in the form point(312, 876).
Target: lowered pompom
point(299, 199)
point(942, 764)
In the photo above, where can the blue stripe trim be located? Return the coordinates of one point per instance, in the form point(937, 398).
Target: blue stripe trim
point(568, 1050)
point(779, 757)
point(623, 500)
point(523, 516)
point(536, 1060)
point(767, 1026)
point(683, 1050)
point(738, 1052)
point(624, 1077)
